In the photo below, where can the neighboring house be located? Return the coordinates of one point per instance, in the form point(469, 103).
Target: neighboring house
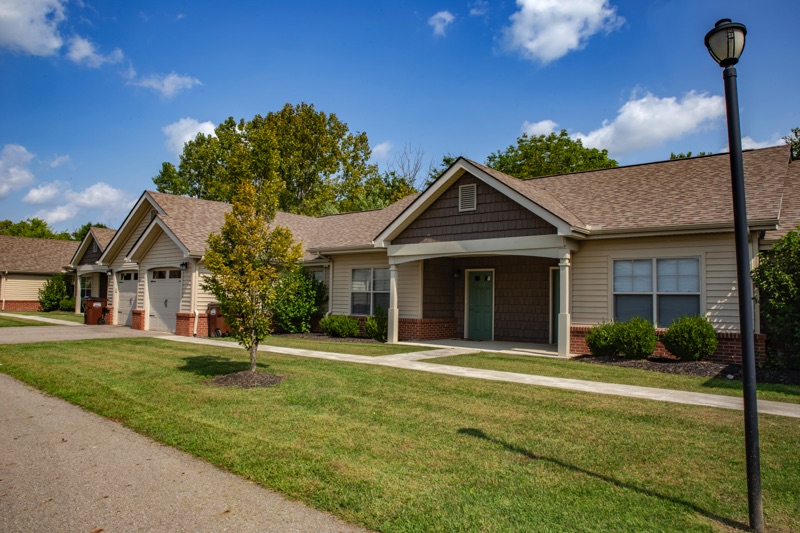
point(25, 265)
point(483, 255)
point(91, 278)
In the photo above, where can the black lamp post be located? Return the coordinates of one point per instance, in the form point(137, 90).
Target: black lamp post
point(726, 43)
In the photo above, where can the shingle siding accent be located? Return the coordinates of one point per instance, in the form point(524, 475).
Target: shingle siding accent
point(521, 294)
point(496, 216)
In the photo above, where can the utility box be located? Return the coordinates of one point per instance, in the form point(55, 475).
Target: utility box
point(94, 310)
point(217, 325)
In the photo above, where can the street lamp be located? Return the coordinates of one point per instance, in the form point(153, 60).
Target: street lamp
point(725, 43)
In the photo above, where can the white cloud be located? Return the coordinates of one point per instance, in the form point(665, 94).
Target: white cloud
point(82, 51)
point(186, 129)
point(650, 121)
point(545, 30)
point(60, 161)
point(543, 127)
point(168, 86)
point(440, 21)
point(380, 152)
point(47, 192)
point(100, 198)
point(14, 172)
point(478, 8)
point(31, 26)
point(748, 143)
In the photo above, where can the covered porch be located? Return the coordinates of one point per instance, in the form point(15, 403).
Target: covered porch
point(507, 294)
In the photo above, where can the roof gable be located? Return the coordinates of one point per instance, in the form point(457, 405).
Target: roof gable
point(101, 236)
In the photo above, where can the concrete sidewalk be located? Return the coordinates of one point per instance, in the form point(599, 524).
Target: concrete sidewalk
point(64, 469)
point(412, 361)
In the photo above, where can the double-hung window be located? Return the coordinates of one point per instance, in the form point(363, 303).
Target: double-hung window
point(659, 290)
point(86, 286)
point(369, 289)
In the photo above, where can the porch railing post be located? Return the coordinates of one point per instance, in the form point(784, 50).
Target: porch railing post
point(393, 316)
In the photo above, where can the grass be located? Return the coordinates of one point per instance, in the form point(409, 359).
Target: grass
point(352, 348)
point(60, 315)
point(561, 368)
point(398, 450)
point(12, 321)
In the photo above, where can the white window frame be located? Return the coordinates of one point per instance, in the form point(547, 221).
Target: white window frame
point(370, 289)
point(654, 293)
point(86, 285)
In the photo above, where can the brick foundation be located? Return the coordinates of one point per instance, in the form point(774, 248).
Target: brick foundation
point(426, 329)
point(184, 324)
point(22, 305)
point(728, 346)
point(137, 319)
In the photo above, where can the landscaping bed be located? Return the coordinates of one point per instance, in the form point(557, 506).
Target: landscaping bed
point(704, 369)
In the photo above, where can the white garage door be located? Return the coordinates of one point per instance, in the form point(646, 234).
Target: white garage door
point(128, 284)
point(165, 298)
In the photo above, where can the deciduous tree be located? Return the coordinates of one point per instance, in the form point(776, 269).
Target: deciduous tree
point(246, 260)
point(544, 155)
point(32, 227)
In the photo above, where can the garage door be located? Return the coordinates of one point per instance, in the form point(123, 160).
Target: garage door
point(165, 298)
point(128, 284)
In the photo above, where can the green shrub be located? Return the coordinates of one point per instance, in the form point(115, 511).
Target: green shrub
point(52, 293)
point(67, 304)
point(377, 326)
point(777, 279)
point(603, 340)
point(636, 337)
point(296, 296)
point(339, 326)
point(691, 338)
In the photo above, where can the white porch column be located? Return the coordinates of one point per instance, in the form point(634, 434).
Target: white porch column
point(393, 315)
point(564, 317)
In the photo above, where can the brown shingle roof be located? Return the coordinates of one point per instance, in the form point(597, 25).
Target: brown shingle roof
point(40, 256)
point(102, 236)
point(192, 220)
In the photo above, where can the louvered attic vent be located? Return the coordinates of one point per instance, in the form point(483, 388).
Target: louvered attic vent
point(468, 197)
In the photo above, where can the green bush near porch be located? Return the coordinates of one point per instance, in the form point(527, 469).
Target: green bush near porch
point(340, 326)
point(691, 338)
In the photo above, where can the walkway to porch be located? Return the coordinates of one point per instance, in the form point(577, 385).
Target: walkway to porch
point(513, 348)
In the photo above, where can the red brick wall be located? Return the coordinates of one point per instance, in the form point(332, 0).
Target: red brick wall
point(22, 305)
point(137, 320)
point(426, 328)
point(184, 324)
point(110, 316)
point(728, 346)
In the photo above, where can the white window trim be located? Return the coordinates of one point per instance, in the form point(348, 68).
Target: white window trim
point(655, 293)
point(369, 290)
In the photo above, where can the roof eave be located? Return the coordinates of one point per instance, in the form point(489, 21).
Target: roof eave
point(683, 229)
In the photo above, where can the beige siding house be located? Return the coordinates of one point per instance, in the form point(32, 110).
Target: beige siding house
point(25, 265)
point(483, 255)
point(91, 279)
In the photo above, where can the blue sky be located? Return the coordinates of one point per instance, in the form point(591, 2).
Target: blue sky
point(96, 95)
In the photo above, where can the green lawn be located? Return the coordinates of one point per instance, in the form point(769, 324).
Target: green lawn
point(59, 315)
point(542, 366)
point(352, 348)
point(398, 450)
point(12, 321)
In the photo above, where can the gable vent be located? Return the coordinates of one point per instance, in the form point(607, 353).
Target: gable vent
point(468, 197)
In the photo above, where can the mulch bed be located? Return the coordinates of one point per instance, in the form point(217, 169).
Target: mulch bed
point(704, 369)
point(246, 380)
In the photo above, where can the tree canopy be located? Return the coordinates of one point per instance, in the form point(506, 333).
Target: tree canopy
point(32, 227)
point(81, 232)
point(323, 166)
point(544, 155)
point(688, 155)
point(793, 140)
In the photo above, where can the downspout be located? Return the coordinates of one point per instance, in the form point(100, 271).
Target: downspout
point(194, 294)
point(3, 289)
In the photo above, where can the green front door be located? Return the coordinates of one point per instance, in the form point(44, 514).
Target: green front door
point(480, 307)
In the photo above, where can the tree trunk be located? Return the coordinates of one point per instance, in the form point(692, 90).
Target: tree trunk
point(253, 351)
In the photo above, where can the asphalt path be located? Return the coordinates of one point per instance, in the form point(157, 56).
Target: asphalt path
point(65, 469)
